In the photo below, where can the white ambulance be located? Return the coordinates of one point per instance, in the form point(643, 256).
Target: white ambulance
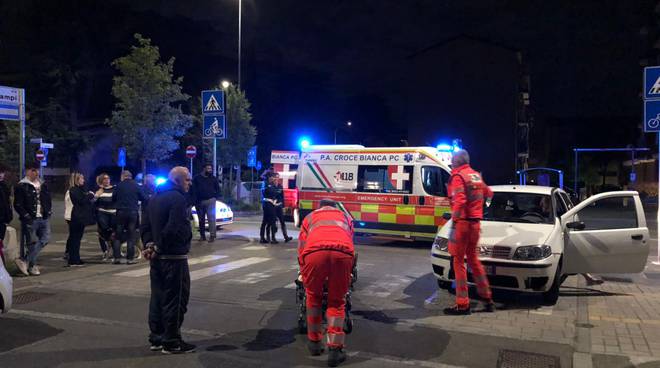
point(393, 192)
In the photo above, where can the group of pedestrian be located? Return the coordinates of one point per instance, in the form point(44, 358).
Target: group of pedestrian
point(272, 204)
point(113, 208)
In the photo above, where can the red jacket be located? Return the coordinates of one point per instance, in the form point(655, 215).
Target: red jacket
point(467, 192)
point(327, 228)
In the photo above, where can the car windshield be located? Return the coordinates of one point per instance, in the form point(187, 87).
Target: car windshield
point(519, 207)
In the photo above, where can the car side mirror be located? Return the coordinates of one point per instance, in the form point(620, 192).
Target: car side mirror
point(446, 216)
point(576, 225)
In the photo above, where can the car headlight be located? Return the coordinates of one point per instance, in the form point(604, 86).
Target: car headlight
point(441, 244)
point(532, 252)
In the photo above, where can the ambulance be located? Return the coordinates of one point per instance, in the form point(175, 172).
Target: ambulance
point(389, 192)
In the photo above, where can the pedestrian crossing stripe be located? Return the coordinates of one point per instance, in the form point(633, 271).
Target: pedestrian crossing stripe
point(141, 272)
point(225, 267)
point(212, 105)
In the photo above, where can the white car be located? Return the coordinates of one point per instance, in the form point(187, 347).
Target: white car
point(6, 289)
point(223, 215)
point(532, 238)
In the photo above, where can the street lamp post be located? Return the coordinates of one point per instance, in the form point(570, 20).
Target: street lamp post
point(240, 20)
point(348, 125)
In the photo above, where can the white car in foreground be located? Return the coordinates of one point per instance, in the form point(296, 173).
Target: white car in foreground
point(532, 238)
point(223, 215)
point(6, 289)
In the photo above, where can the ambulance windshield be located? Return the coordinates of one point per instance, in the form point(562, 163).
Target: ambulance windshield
point(519, 207)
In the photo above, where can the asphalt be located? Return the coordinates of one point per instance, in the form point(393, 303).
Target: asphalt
point(245, 315)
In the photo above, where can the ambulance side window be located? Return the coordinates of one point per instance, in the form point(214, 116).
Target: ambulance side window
point(434, 180)
point(385, 179)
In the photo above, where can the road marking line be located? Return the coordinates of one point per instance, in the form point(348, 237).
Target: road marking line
point(545, 311)
point(106, 322)
point(193, 261)
point(385, 288)
point(254, 247)
point(224, 267)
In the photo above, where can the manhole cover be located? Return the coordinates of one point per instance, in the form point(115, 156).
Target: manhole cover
point(29, 297)
point(522, 359)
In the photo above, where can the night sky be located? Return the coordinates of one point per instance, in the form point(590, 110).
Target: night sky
point(311, 65)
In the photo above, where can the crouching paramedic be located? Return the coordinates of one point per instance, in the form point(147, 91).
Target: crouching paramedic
point(467, 191)
point(325, 253)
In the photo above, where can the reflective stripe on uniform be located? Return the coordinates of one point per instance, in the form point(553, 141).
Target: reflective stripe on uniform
point(314, 327)
point(335, 321)
point(457, 190)
point(336, 339)
point(341, 224)
point(313, 312)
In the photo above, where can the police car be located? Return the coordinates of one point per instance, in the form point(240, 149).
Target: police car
point(223, 215)
point(533, 237)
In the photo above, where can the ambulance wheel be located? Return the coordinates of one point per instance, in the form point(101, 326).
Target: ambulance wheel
point(302, 327)
point(348, 325)
point(296, 218)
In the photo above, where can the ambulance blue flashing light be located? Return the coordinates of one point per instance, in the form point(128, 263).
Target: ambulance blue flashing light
point(304, 143)
point(443, 147)
point(160, 180)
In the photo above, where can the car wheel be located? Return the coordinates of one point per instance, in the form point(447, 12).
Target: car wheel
point(445, 285)
point(551, 296)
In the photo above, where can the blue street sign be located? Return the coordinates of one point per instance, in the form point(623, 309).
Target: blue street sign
point(652, 116)
point(214, 127)
point(252, 157)
point(652, 82)
point(121, 157)
point(258, 166)
point(10, 102)
point(213, 102)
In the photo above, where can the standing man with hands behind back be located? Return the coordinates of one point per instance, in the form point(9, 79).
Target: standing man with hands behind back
point(206, 191)
point(166, 234)
point(126, 196)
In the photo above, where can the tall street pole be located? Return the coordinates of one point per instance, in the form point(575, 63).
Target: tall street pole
point(240, 19)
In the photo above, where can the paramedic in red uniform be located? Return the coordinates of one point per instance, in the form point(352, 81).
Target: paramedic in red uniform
point(467, 192)
point(325, 252)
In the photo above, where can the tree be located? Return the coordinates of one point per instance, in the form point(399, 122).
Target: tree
point(147, 115)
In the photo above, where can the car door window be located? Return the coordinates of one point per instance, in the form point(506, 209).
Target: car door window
point(610, 213)
point(561, 206)
point(567, 200)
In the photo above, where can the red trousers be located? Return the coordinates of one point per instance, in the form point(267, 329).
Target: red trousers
point(334, 269)
point(463, 244)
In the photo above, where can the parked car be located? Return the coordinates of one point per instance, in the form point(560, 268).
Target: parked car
point(532, 238)
point(223, 215)
point(6, 289)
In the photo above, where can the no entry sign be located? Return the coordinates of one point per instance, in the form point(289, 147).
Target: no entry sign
point(40, 155)
point(191, 151)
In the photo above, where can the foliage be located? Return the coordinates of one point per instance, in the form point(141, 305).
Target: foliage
point(240, 133)
point(147, 115)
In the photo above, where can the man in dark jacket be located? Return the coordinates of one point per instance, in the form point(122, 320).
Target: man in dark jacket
point(33, 204)
point(126, 195)
point(166, 234)
point(206, 192)
point(6, 213)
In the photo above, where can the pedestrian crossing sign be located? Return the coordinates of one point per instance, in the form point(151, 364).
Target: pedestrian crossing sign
point(213, 102)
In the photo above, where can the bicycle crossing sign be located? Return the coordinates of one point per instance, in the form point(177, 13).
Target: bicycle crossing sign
point(652, 99)
point(214, 127)
point(213, 102)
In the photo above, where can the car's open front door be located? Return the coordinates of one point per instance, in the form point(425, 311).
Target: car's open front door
point(606, 233)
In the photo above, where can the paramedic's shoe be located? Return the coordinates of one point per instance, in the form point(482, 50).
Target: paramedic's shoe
point(315, 347)
point(336, 357)
point(180, 348)
point(457, 311)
